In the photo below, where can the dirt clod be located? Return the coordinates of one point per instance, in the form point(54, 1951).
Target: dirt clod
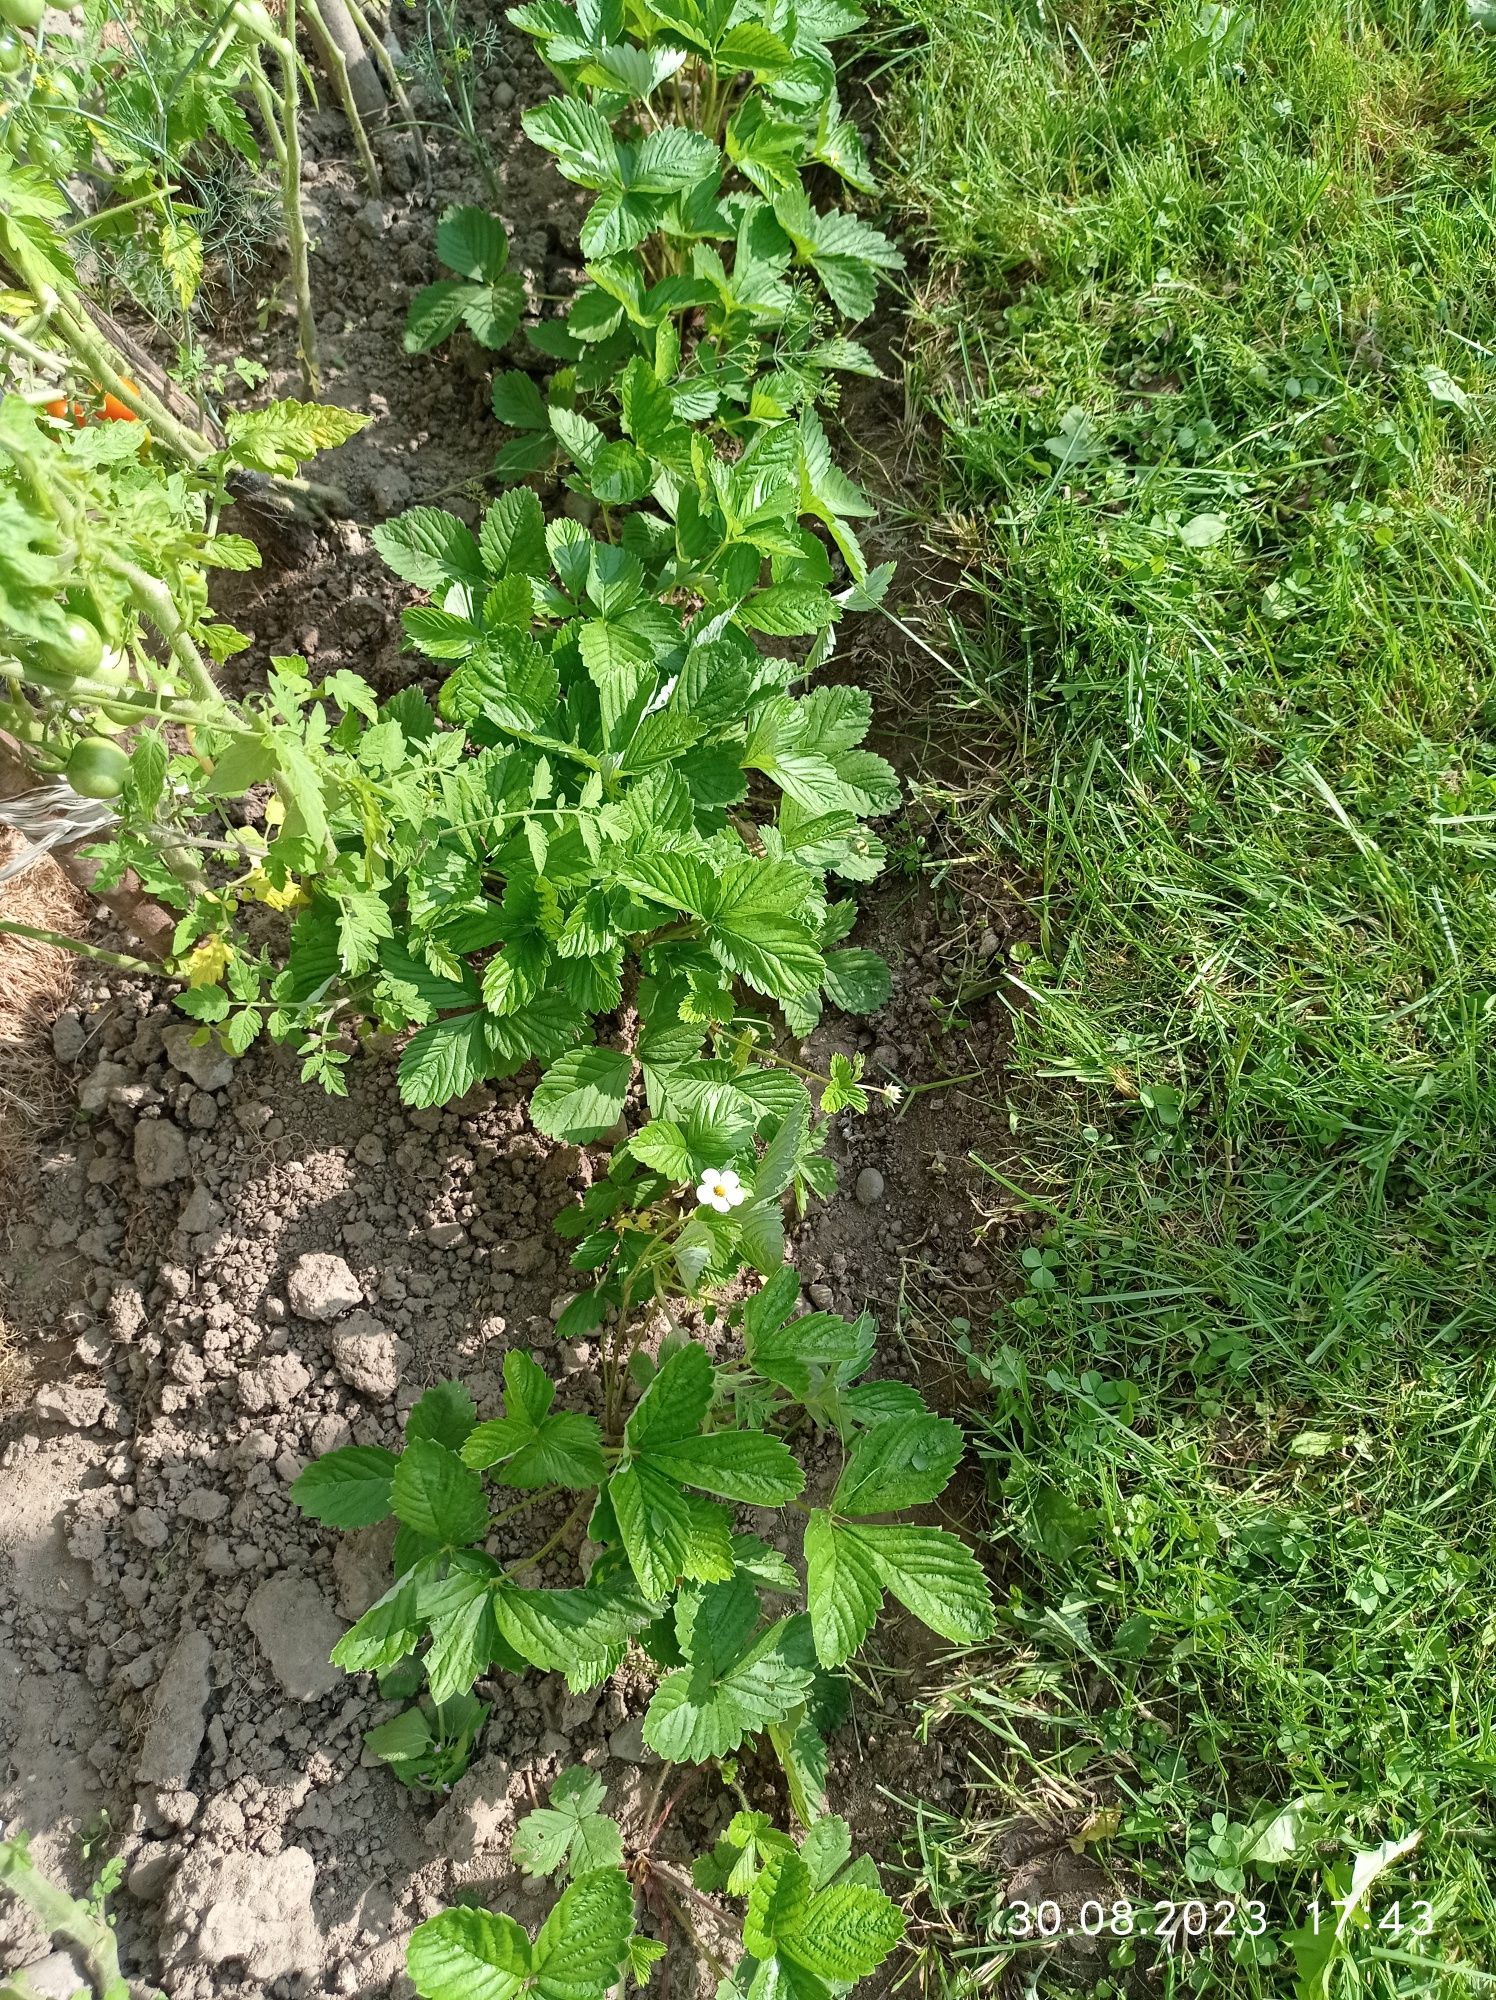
point(322, 1287)
point(298, 1629)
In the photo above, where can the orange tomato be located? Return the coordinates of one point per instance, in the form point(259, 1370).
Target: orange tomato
point(111, 409)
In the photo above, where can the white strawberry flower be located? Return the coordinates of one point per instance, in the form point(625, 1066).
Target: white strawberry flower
point(721, 1190)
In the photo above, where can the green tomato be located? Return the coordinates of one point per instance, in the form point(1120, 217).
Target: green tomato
point(113, 669)
point(12, 52)
point(22, 13)
point(97, 769)
point(49, 152)
point(79, 650)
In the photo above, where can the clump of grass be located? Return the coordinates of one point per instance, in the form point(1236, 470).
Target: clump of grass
point(1205, 345)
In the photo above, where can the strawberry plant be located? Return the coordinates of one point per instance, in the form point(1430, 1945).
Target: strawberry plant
point(745, 1649)
point(711, 273)
point(485, 296)
point(615, 837)
point(814, 1921)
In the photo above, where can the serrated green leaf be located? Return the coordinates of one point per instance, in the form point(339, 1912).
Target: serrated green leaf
point(776, 1168)
point(473, 243)
point(430, 549)
point(459, 1609)
point(779, 1897)
point(493, 311)
point(906, 1463)
point(444, 1413)
point(662, 1144)
point(580, 138)
point(552, 1629)
point(788, 610)
point(517, 401)
point(474, 1953)
point(435, 313)
point(668, 1534)
point(675, 1402)
point(582, 1095)
point(387, 1631)
point(745, 1466)
point(349, 1488)
point(843, 1589)
point(842, 1933)
point(439, 1496)
point(443, 1060)
point(534, 1446)
point(570, 1832)
point(583, 1943)
point(857, 981)
point(933, 1574)
point(278, 438)
point(706, 1711)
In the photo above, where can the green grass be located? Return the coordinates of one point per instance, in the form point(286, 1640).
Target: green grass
point(1204, 351)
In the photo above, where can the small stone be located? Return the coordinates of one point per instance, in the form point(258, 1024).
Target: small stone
point(627, 1743)
point(69, 1036)
point(361, 1562)
point(297, 1628)
point(151, 1871)
point(79, 1405)
point(178, 1716)
point(126, 1309)
point(524, 1255)
point(202, 1214)
point(203, 1504)
point(869, 1189)
point(330, 1433)
point(160, 1153)
point(175, 1808)
point(446, 1236)
point(148, 1528)
point(103, 1079)
point(209, 1066)
point(139, 1672)
point(368, 1356)
point(369, 1152)
point(477, 1815)
point(275, 1384)
point(322, 1287)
